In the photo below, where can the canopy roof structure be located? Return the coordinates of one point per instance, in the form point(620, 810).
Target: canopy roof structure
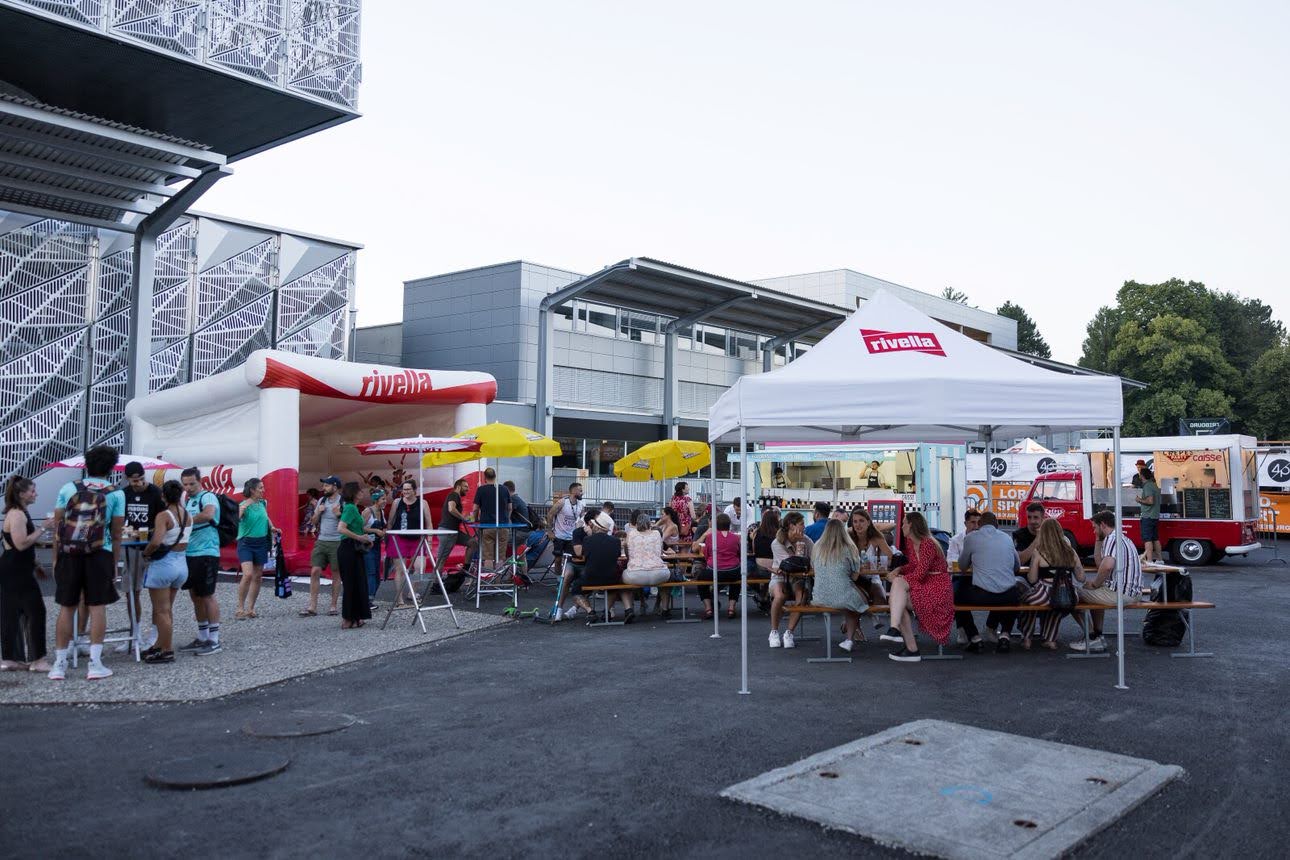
point(892, 373)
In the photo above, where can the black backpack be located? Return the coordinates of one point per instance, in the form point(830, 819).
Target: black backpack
point(228, 519)
point(1165, 628)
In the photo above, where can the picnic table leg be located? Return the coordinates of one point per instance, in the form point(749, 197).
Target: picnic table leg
point(828, 644)
point(1191, 639)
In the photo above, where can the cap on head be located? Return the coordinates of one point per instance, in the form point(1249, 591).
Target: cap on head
point(333, 480)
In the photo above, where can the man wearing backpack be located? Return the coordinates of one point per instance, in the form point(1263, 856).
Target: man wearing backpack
point(88, 518)
point(203, 562)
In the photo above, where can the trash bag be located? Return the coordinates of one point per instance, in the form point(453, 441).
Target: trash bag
point(281, 576)
point(1165, 628)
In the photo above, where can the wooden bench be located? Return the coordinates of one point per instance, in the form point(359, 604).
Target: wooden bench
point(605, 590)
point(1184, 606)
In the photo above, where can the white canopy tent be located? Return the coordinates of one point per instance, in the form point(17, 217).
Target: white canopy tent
point(892, 373)
point(1027, 446)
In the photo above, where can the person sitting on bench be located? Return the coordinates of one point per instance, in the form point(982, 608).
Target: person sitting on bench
point(1118, 569)
point(572, 570)
point(790, 553)
point(725, 561)
point(836, 563)
point(921, 583)
point(601, 551)
point(988, 554)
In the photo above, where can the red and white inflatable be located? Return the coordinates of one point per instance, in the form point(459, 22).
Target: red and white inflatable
point(290, 420)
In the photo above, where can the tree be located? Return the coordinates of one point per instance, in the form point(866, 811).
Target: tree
point(1029, 340)
point(1100, 339)
point(1269, 416)
point(954, 295)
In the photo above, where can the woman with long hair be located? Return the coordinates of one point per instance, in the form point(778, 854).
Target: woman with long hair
point(409, 512)
point(835, 562)
point(19, 592)
point(867, 538)
point(167, 569)
point(254, 543)
point(1051, 550)
point(683, 506)
point(761, 558)
point(667, 526)
point(355, 608)
point(923, 584)
point(790, 553)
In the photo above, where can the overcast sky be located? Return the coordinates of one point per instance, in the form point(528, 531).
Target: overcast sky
point(1038, 152)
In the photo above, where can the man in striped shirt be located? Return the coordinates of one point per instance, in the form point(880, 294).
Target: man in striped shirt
point(1118, 570)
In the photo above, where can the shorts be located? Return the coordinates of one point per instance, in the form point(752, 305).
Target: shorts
point(253, 549)
point(1150, 529)
point(169, 571)
point(406, 547)
point(203, 573)
point(1103, 596)
point(562, 547)
point(326, 553)
point(91, 576)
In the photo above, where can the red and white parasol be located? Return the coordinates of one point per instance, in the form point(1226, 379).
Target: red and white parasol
point(419, 445)
point(78, 462)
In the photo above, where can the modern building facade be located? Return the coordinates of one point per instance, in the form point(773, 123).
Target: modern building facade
point(637, 352)
point(221, 289)
point(115, 117)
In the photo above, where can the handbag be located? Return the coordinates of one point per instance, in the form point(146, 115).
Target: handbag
point(162, 550)
point(795, 564)
point(281, 576)
point(1062, 596)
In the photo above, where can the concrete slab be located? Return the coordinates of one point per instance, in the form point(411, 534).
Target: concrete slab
point(956, 791)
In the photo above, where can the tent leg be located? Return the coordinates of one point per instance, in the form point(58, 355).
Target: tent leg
point(989, 475)
point(743, 565)
point(1119, 590)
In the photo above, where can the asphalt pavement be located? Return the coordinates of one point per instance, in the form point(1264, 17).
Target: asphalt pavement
point(529, 740)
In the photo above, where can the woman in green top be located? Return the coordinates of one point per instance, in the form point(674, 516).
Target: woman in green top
point(355, 541)
point(253, 545)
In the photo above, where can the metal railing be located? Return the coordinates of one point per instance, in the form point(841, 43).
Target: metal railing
point(305, 46)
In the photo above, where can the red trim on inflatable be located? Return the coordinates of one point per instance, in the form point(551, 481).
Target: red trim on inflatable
point(407, 386)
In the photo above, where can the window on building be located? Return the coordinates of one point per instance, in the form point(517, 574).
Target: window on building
point(563, 317)
point(685, 337)
point(741, 345)
point(601, 320)
point(643, 328)
point(570, 453)
point(710, 339)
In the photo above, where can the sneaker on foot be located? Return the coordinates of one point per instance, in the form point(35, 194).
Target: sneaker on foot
point(97, 671)
point(788, 639)
point(1003, 646)
point(59, 670)
point(904, 655)
point(775, 640)
point(974, 647)
point(846, 645)
point(208, 649)
point(566, 614)
point(629, 616)
point(1095, 644)
point(195, 645)
point(892, 635)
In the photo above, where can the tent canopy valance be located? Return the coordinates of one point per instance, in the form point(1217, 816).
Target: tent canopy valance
point(892, 373)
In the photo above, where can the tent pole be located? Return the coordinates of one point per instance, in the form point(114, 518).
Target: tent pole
point(712, 535)
point(743, 564)
point(989, 474)
point(1119, 591)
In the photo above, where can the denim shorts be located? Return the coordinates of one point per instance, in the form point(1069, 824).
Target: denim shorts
point(170, 571)
point(253, 549)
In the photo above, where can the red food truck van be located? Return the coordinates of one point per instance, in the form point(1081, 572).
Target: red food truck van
point(1208, 488)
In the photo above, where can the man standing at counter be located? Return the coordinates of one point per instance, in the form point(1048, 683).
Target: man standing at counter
point(872, 481)
point(1149, 499)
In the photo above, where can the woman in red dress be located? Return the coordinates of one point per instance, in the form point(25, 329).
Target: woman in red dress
point(923, 583)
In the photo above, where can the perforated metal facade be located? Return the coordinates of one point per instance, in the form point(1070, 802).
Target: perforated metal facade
point(221, 289)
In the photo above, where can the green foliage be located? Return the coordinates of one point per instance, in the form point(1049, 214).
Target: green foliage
point(1029, 340)
point(1201, 352)
point(954, 295)
point(1268, 401)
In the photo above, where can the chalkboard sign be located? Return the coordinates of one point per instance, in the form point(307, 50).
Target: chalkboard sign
point(1220, 504)
point(1193, 503)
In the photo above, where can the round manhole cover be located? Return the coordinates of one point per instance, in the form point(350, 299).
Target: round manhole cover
point(218, 769)
point(297, 724)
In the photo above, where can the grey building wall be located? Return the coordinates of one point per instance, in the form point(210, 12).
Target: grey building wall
point(379, 344)
point(847, 288)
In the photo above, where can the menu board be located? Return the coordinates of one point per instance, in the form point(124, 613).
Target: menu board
point(1193, 503)
point(1220, 504)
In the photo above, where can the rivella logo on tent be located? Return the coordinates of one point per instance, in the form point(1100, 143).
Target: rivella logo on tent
point(400, 384)
point(901, 341)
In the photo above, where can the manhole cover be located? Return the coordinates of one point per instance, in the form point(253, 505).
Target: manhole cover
point(961, 792)
point(219, 769)
point(297, 724)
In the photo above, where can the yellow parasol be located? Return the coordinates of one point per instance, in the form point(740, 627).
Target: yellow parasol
point(497, 440)
point(667, 458)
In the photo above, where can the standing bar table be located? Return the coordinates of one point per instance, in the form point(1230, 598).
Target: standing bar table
point(419, 602)
point(499, 583)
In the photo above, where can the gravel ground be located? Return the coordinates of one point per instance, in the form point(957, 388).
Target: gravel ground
point(276, 646)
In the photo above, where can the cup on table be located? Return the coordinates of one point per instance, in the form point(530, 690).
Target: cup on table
point(143, 533)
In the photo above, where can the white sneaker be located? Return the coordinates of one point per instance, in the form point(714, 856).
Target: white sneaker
point(846, 645)
point(1094, 645)
point(568, 614)
point(788, 639)
point(97, 671)
point(59, 672)
point(775, 641)
point(559, 615)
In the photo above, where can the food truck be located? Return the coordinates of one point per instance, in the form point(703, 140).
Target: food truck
point(1208, 490)
point(924, 477)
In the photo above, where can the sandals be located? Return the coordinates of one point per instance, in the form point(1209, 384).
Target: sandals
point(239, 615)
point(307, 613)
point(333, 612)
point(730, 614)
point(250, 613)
point(707, 614)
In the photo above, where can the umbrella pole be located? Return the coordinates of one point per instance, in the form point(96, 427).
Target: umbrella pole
point(743, 566)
